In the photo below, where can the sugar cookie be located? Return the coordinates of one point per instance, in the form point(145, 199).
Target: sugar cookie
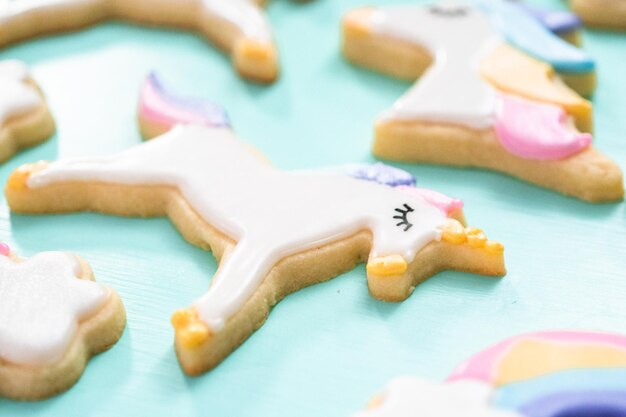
point(547, 374)
point(482, 102)
point(239, 27)
point(273, 231)
point(24, 116)
point(609, 14)
point(53, 318)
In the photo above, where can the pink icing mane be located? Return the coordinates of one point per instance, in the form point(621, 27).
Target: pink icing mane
point(158, 105)
point(536, 130)
point(482, 366)
point(5, 250)
point(444, 203)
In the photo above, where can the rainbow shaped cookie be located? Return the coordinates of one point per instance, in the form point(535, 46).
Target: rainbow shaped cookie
point(547, 374)
point(24, 116)
point(272, 231)
point(238, 27)
point(53, 318)
point(481, 100)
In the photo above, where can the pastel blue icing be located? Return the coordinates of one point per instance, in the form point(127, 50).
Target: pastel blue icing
point(521, 394)
point(525, 32)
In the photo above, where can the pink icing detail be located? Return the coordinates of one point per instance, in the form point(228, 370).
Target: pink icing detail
point(159, 106)
point(5, 250)
point(482, 366)
point(441, 201)
point(536, 130)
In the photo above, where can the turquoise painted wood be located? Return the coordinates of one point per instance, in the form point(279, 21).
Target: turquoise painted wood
point(326, 349)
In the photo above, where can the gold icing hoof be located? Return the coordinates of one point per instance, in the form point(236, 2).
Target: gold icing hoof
point(387, 266)
point(355, 23)
point(190, 330)
point(455, 233)
point(18, 180)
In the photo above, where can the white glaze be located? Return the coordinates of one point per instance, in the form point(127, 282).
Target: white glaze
point(414, 397)
point(451, 90)
point(13, 8)
point(270, 213)
point(16, 95)
point(245, 15)
point(41, 303)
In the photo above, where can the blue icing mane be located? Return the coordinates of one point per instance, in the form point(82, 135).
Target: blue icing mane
point(524, 31)
point(596, 385)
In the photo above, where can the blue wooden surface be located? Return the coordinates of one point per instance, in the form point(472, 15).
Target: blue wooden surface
point(326, 349)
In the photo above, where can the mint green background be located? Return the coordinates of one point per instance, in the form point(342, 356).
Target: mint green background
point(326, 349)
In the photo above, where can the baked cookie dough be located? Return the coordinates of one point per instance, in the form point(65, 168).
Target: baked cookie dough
point(610, 14)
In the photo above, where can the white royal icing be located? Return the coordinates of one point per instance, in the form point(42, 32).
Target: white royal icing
point(244, 14)
point(12, 8)
point(16, 95)
point(451, 90)
point(42, 302)
point(270, 213)
point(414, 397)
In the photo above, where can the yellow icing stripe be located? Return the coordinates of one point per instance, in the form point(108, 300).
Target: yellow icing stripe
point(514, 72)
point(532, 358)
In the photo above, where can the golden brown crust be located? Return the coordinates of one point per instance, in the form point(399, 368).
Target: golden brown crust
point(588, 175)
point(96, 334)
point(609, 14)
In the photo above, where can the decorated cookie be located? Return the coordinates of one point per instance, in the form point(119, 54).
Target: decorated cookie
point(550, 374)
point(53, 318)
point(480, 101)
point(272, 231)
point(601, 13)
point(24, 116)
point(562, 23)
point(239, 27)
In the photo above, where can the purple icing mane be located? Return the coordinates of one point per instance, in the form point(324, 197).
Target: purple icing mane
point(556, 21)
point(160, 106)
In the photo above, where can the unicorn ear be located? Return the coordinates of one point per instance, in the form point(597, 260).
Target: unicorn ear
point(160, 110)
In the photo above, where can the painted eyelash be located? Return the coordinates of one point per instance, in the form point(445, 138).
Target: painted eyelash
point(404, 221)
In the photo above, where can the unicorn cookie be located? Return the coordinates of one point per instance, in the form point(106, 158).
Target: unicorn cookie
point(24, 116)
point(610, 14)
point(272, 231)
point(546, 374)
point(53, 318)
point(479, 100)
point(239, 27)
